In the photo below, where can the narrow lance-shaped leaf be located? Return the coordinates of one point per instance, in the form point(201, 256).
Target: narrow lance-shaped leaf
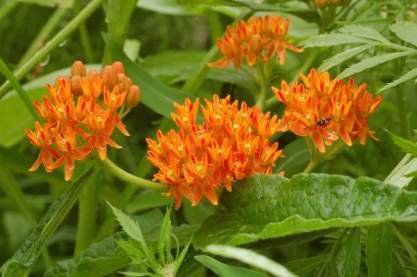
point(29, 252)
point(406, 31)
point(404, 78)
point(372, 62)
point(406, 145)
point(379, 250)
point(251, 258)
point(344, 56)
point(363, 32)
point(332, 40)
point(225, 270)
point(348, 258)
point(270, 206)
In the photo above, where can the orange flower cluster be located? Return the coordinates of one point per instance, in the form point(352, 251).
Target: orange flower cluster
point(81, 113)
point(327, 109)
point(231, 144)
point(257, 40)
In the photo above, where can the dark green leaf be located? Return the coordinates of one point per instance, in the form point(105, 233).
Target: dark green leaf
point(29, 252)
point(348, 257)
point(225, 270)
point(379, 250)
point(406, 145)
point(270, 206)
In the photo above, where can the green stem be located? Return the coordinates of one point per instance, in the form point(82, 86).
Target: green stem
point(87, 214)
point(402, 115)
point(311, 166)
point(216, 27)
point(42, 36)
point(130, 178)
point(84, 37)
point(52, 44)
point(263, 82)
point(20, 91)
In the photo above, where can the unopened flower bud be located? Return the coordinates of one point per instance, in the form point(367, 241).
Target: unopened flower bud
point(336, 2)
point(118, 68)
point(76, 85)
point(321, 3)
point(133, 96)
point(78, 69)
point(109, 77)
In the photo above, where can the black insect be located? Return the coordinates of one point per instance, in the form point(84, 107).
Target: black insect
point(323, 122)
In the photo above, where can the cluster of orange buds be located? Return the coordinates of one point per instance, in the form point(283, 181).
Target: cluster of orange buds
point(257, 40)
point(80, 114)
point(327, 109)
point(230, 144)
point(324, 3)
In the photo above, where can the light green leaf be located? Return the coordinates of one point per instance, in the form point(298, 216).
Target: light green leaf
point(225, 270)
point(343, 56)
point(406, 31)
point(332, 40)
point(50, 3)
point(404, 78)
point(28, 253)
point(170, 7)
point(379, 250)
point(164, 244)
point(270, 206)
point(133, 230)
point(399, 176)
point(363, 32)
point(406, 145)
point(251, 258)
point(371, 62)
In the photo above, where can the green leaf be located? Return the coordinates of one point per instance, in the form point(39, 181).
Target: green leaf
point(106, 256)
point(332, 40)
point(225, 270)
point(405, 145)
point(270, 206)
point(251, 258)
point(406, 31)
point(29, 252)
point(307, 266)
point(404, 78)
point(371, 62)
point(379, 251)
point(170, 7)
point(133, 230)
point(343, 56)
point(154, 94)
point(399, 176)
point(50, 3)
point(363, 32)
point(164, 244)
point(15, 118)
point(147, 199)
point(348, 257)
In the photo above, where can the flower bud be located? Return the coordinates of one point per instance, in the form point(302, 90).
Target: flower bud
point(133, 96)
point(321, 3)
point(78, 69)
point(336, 2)
point(123, 82)
point(118, 68)
point(109, 76)
point(76, 85)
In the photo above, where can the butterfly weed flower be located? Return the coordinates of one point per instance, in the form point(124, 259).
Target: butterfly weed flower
point(327, 109)
point(231, 143)
point(80, 114)
point(257, 40)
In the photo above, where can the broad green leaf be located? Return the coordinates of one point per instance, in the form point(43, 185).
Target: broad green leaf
point(251, 258)
point(154, 94)
point(28, 253)
point(270, 206)
point(371, 62)
point(343, 56)
point(147, 199)
point(106, 256)
point(405, 145)
point(225, 270)
point(363, 32)
point(379, 250)
point(332, 40)
point(296, 158)
point(404, 78)
point(348, 257)
point(406, 31)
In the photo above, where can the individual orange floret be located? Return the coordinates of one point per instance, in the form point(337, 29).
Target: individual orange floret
point(257, 40)
point(327, 109)
point(80, 113)
point(231, 143)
